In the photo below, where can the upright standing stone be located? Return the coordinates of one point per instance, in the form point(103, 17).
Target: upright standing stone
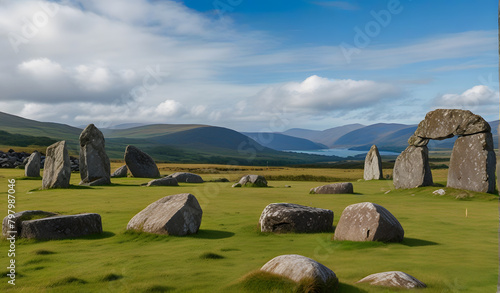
point(373, 165)
point(32, 168)
point(57, 168)
point(94, 162)
point(472, 163)
point(412, 168)
point(140, 164)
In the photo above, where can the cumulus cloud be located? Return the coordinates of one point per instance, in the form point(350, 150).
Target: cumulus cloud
point(41, 68)
point(479, 95)
point(318, 94)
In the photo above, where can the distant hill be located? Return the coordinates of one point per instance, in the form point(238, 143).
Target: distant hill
point(164, 142)
point(373, 134)
point(278, 141)
point(326, 137)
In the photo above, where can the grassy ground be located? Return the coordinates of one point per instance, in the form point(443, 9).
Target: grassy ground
point(443, 248)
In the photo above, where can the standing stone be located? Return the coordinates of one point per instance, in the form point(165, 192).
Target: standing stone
point(187, 177)
point(178, 214)
point(299, 268)
point(32, 168)
point(373, 165)
point(412, 168)
point(120, 172)
point(140, 164)
point(94, 162)
point(368, 222)
point(57, 169)
point(473, 163)
point(288, 217)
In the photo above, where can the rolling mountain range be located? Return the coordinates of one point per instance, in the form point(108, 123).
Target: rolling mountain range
point(164, 142)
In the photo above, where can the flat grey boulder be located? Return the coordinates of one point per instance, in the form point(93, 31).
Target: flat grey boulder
point(252, 181)
point(140, 164)
point(94, 162)
point(368, 222)
point(472, 163)
point(373, 165)
point(165, 181)
point(334, 188)
point(57, 168)
point(187, 177)
point(288, 217)
point(412, 168)
point(300, 268)
point(120, 172)
point(62, 227)
point(32, 167)
point(8, 227)
point(178, 214)
point(445, 123)
point(393, 279)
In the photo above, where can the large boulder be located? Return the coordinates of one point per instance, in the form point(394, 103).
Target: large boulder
point(445, 123)
point(32, 167)
point(412, 168)
point(187, 177)
point(94, 162)
point(165, 181)
point(120, 172)
point(373, 165)
point(252, 181)
point(473, 163)
point(303, 269)
point(140, 164)
point(178, 214)
point(334, 188)
point(61, 227)
point(368, 222)
point(11, 224)
point(288, 217)
point(393, 279)
point(57, 168)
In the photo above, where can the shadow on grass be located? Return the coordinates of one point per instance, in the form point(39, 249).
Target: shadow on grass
point(349, 289)
point(72, 186)
point(29, 178)
point(211, 234)
point(103, 235)
point(413, 242)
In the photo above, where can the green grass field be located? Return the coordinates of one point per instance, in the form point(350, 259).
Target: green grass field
point(443, 248)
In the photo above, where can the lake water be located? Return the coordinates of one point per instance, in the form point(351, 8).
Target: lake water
point(344, 153)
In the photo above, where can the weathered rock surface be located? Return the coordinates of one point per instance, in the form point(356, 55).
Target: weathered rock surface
point(373, 165)
point(165, 181)
point(187, 177)
point(140, 164)
point(300, 268)
point(120, 172)
point(18, 218)
point(334, 188)
point(253, 180)
point(61, 227)
point(57, 169)
point(393, 279)
point(288, 217)
point(94, 162)
point(472, 164)
point(445, 123)
point(368, 222)
point(32, 167)
point(178, 214)
point(412, 168)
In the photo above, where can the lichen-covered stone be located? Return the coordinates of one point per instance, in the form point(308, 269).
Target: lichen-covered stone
point(373, 165)
point(288, 217)
point(57, 168)
point(412, 168)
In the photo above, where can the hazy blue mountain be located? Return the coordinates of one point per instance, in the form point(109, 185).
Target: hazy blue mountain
point(326, 137)
point(278, 141)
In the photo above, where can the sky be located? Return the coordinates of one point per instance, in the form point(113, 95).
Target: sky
point(249, 65)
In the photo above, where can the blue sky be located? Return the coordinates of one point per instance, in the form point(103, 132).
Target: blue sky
point(247, 65)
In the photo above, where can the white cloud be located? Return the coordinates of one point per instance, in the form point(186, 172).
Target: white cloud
point(41, 68)
point(169, 108)
point(479, 95)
